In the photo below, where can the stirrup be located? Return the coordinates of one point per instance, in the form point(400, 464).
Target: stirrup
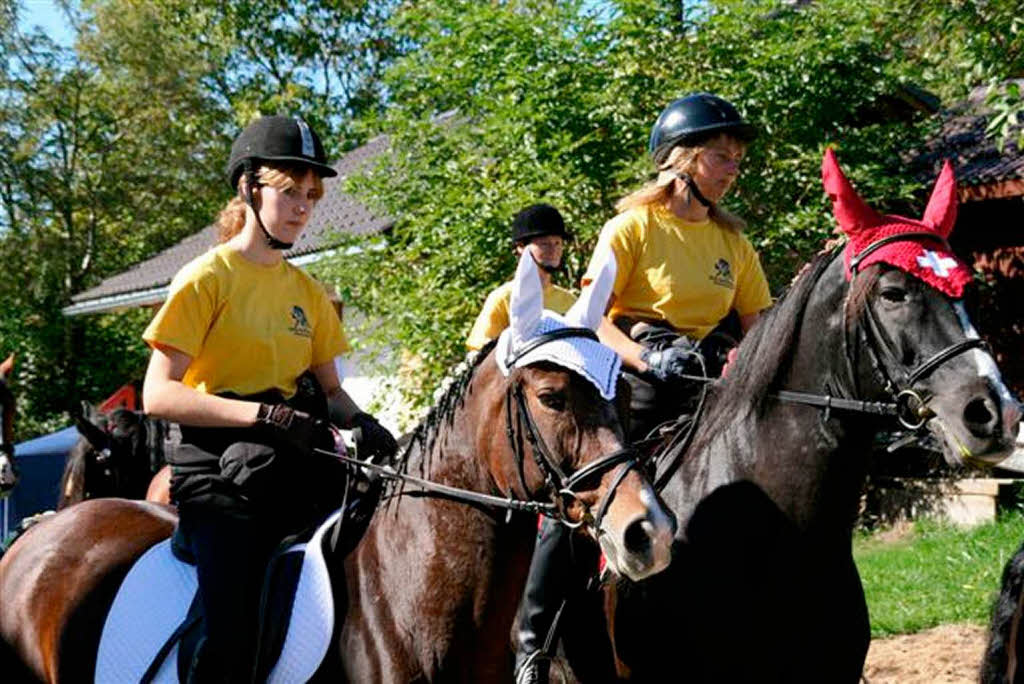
point(531, 672)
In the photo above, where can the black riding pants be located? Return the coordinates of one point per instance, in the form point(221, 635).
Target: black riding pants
point(236, 501)
point(652, 402)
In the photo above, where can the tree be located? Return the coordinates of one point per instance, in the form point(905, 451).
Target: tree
point(553, 100)
point(115, 149)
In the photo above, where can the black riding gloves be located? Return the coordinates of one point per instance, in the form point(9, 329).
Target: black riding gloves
point(671, 363)
point(293, 429)
point(374, 442)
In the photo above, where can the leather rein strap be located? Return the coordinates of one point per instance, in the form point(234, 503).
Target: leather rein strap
point(562, 486)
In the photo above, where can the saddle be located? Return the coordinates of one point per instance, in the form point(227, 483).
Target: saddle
point(153, 626)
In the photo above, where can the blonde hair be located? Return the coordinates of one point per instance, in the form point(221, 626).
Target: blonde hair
point(231, 219)
point(681, 160)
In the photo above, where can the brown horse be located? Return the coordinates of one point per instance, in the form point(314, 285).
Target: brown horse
point(432, 587)
point(762, 585)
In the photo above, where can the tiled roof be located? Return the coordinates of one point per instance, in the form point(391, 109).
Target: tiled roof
point(982, 169)
point(336, 213)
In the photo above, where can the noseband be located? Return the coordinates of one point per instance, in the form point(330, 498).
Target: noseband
point(563, 486)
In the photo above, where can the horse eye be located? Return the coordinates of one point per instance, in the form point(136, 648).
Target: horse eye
point(894, 295)
point(553, 400)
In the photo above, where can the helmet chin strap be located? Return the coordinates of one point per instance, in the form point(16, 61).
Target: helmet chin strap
point(552, 270)
point(694, 190)
point(250, 185)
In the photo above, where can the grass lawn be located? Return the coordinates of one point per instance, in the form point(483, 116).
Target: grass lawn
point(935, 574)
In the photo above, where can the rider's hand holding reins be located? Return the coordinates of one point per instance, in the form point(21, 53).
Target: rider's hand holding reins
point(293, 429)
point(671, 363)
point(376, 443)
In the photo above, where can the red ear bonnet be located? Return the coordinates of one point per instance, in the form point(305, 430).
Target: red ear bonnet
point(930, 260)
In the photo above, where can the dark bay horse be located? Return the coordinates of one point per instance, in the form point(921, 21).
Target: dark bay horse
point(8, 470)
point(431, 589)
point(762, 585)
point(116, 456)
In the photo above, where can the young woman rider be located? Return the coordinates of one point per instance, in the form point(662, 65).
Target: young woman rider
point(239, 326)
point(683, 265)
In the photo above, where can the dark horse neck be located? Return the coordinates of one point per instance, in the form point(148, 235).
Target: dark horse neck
point(809, 465)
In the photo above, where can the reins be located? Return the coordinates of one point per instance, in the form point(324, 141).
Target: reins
point(908, 407)
point(519, 423)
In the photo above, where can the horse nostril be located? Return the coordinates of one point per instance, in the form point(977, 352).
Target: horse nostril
point(979, 418)
point(637, 538)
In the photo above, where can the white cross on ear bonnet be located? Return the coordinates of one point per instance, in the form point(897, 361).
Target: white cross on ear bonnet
point(590, 359)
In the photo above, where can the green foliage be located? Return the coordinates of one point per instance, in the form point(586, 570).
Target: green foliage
point(552, 100)
point(939, 574)
point(115, 149)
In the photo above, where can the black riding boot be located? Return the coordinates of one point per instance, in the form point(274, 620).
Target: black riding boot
point(543, 596)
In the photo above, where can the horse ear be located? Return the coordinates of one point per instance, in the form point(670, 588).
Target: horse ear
point(941, 210)
point(590, 308)
point(526, 303)
point(852, 213)
point(6, 367)
point(96, 437)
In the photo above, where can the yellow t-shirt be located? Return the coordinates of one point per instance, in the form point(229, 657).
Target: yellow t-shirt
point(688, 274)
point(494, 316)
point(248, 327)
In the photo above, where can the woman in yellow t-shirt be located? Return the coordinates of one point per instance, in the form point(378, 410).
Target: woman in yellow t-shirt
point(539, 228)
point(239, 326)
point(682, 265)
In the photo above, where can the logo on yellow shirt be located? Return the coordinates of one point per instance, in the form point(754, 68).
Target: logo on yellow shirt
point(723, 274)
point(300, 324)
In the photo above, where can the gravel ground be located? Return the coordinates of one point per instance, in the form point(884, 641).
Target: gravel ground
point(948, 654)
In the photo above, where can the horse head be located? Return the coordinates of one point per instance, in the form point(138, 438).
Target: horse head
point(114, 451)
point(907, 334)
point(8, 470)
point(563, 426)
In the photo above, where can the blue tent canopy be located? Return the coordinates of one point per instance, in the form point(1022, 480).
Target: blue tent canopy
point(40, 463)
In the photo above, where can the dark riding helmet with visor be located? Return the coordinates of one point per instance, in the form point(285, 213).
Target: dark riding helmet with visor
point(538, 220)
point(692, 120)
point(280, 139)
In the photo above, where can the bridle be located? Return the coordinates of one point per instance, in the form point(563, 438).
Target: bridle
point(521, 429)
point(908, 405)
point(555, 480)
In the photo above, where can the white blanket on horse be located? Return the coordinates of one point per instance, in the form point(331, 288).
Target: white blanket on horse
point(154, 599)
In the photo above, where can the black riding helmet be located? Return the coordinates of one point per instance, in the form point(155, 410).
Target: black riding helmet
point(275, 139)
point(694, 119)
point(538, 220)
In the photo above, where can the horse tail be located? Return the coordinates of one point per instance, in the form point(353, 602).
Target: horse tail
point(72, 480)
point(1004, 655)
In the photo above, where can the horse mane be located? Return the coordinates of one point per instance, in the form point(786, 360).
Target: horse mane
point(74, 474)
point(765, 353)
point(442, 413)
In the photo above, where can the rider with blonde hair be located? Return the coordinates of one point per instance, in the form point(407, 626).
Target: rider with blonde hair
point(238, 328)
point(682, 265)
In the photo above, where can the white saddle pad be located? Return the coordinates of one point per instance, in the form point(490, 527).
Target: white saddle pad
point(154, 599)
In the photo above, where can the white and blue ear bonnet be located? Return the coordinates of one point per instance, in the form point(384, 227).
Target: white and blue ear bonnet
point(528, 320)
